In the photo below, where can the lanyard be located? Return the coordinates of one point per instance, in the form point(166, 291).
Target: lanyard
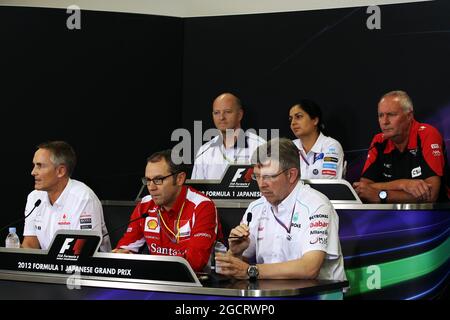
point(288, 230)
point(237, 151)
point(315, 157)
point(176, 237)
point(226, 158)
point(303, 157)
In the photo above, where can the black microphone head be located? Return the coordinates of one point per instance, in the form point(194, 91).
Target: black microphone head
point(249, 218)
point(37, 203)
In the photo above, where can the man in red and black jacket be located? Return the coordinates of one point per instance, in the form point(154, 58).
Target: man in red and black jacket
point(407, 162)
point(174, 219)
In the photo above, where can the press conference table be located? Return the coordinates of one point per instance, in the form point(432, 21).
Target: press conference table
point(391, 251)
point(33, 286)
point(72, 268)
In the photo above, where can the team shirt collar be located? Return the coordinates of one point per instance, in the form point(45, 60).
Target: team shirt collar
point(287, 205)
point(412, 138)
point(59, 203)
point(318, 144)
point(316, 148)
point(179, 201)
point(218, 140)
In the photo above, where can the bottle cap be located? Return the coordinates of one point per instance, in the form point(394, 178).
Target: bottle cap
point(12, 230)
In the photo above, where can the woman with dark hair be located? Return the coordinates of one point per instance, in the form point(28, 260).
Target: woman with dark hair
point(321, 157)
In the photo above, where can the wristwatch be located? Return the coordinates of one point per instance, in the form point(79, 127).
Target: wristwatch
point(383, 196)
point(252, 272)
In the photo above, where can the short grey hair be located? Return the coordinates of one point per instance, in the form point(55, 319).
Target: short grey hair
point(402, 97)
point(61, 153)
point(282, 150)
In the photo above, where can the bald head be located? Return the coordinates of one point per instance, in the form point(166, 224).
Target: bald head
point(228, 99)
point(227, 112)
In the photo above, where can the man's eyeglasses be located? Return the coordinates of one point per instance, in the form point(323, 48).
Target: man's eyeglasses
point(267, 177)
point(158, 180)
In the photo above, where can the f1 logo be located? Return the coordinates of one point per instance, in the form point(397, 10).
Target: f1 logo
point(66, 245)
point(238, 174)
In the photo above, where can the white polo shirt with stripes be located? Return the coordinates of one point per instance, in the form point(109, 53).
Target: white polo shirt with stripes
point(302, 222)
point(325, 160)
point(77, 208)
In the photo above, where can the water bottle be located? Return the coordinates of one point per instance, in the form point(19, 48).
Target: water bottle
point(12, 240)
point(219, 247)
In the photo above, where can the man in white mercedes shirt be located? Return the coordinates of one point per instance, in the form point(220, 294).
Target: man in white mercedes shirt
point(294, 230)
point(230, 146)
point(66, 203)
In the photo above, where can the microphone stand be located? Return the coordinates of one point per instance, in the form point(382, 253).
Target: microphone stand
point(145, 215)
point(36, 204)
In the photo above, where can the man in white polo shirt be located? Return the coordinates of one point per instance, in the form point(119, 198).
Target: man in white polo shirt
point(293, 233)
point(230, 146)
point(66, 203)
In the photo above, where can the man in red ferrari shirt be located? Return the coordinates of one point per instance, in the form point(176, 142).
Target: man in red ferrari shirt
point(176, 219)
point(406, 162)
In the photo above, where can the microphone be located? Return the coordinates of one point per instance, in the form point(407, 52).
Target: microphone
point(36, 204)
point(249, 219)
point(145, 215)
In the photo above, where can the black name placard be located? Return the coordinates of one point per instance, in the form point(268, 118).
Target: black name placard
point(75, 252)
point(236, 184)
